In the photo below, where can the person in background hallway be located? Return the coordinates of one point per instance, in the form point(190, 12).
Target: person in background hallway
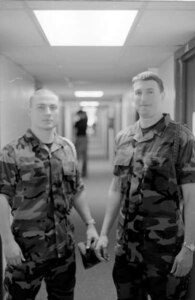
point(40, 182)
point(154, 250)
point(81, 140)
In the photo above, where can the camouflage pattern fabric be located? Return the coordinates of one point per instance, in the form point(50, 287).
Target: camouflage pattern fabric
point(135, 281)
point(24, 281)
point(41, 186)
point(150, 227)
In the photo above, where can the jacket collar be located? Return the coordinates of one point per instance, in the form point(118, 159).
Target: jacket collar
point(31, 138)
point(159, 129)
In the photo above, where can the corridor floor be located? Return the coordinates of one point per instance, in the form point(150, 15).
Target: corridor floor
point(95, 283)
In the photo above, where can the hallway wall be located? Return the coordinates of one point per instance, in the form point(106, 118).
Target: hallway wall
point(16, 86)
point(166, 71)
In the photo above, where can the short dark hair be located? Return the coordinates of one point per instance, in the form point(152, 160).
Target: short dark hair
point(79, 112)
point(147, 75)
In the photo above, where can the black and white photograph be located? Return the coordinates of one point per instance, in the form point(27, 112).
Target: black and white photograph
point(97, 150)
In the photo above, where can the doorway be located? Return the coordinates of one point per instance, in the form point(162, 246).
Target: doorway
point(185, 105)
point(185, 88)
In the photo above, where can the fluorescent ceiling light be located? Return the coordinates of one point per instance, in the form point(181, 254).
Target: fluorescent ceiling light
point(89, 103)
point(91, 94)
point(86, 27)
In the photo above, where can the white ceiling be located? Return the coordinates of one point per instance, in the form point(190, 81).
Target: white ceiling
point(161, 27)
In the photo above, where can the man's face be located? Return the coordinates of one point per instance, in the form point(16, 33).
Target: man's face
point(148, 98)
point(44, 112)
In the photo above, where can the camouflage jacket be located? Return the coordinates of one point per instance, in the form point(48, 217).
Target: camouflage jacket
point(149, 182)
point(40, 186)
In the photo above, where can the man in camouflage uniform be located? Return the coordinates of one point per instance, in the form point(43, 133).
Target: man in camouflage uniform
point(154, 251)
point(40, 182)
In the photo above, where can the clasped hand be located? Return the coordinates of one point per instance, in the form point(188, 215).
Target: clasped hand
point(92, 236)
point(101, 248)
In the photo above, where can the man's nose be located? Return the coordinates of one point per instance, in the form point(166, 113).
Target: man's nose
point(47, 110)
point(143, 98)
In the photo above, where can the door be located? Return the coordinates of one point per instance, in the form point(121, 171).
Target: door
point(190, 93)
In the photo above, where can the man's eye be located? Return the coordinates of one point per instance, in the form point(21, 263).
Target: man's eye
point(41, 107)
point(53, 107)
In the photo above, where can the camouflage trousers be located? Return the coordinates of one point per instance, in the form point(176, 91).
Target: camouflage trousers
point(23, 282)
point(137, 281)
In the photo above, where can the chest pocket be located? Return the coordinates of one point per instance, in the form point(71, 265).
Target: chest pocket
point(69, 168)
point(123, 166)
point(33, 178)
point(123, 160)
point(159, 173)
point(32, 171)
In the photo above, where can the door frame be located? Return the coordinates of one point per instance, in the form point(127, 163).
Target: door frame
point(181, 57)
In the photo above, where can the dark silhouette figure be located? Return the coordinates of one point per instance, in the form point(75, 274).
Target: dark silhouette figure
point(81, 140)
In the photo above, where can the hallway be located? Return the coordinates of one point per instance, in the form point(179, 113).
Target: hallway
point(94, 73)
point(95, 283)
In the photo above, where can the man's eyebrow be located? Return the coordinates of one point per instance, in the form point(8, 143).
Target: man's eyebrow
point(146, 89)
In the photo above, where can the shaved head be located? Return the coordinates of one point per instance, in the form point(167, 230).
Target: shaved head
point(43, 93)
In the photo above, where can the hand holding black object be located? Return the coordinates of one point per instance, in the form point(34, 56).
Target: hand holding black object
point(88, 255)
